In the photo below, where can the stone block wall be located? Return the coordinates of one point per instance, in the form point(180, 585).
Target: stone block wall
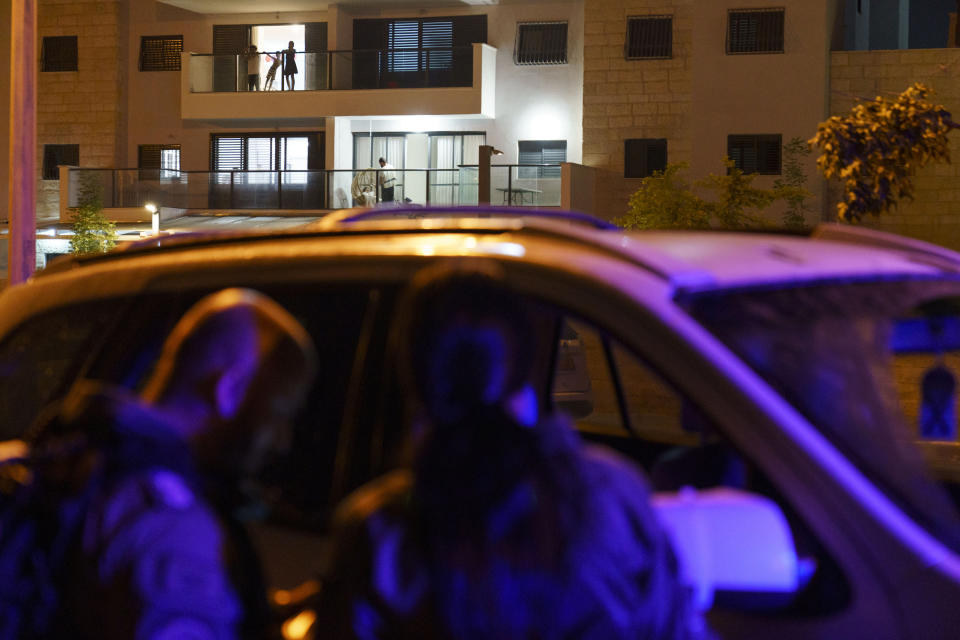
point(80, 107)
point(633, 98)
point(934, 215)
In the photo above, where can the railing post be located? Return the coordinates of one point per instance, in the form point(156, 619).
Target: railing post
point(428, 186)
point(231, 188)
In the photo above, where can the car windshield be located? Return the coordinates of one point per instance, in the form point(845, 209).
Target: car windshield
point(827, 349)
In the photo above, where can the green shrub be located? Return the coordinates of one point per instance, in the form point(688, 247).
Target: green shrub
point(92, 232)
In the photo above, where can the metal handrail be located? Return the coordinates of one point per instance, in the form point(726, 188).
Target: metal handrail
point(266, 52)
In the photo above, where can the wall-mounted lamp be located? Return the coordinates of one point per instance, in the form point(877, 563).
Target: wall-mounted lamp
point(154, 217)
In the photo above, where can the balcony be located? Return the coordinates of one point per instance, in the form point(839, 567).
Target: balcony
point(125, 192)
point(363, 83)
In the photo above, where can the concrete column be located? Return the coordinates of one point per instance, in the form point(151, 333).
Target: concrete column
point(22, 257)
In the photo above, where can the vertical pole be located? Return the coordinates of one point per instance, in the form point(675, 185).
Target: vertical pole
point(483, 174)
point(428, 186)
point(510, 187)
point(22, 236)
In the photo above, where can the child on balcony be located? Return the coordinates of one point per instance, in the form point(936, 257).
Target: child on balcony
point(272, 71)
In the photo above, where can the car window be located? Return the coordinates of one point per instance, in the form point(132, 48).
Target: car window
point(616, 400)
point(827, 350)
point(40, 359)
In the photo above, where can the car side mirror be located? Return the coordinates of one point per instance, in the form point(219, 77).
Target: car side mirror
point(734, 547)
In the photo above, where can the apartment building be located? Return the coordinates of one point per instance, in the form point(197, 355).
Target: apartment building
point(158, 91)
point(687, 81)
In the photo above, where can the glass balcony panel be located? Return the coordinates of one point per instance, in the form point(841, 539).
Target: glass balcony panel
point(338, 70)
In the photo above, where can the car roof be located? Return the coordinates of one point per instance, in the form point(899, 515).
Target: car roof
point(692, 261)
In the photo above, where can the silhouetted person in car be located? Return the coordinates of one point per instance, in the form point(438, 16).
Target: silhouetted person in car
point(502, 525)
point(158, 550)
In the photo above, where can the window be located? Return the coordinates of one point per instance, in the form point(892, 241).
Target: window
point(541, 152)
point(449, 151)
point(440, 46)
point(616, 399)
point(49, 350)
point(160, 53)
point(164, 159)
point(649, 37)
point(755, 31)
point(418, 35)
point(541, 43)
point(55, 155)
point(59, 53)
point(643, 156)
point(755, 153)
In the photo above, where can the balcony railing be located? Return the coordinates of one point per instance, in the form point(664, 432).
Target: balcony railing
point(337, 70)
point(525, 185)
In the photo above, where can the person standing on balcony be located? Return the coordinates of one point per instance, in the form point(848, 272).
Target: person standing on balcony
point(290, 66)
point(388, 180)
point(253, 68)
point(272, 71)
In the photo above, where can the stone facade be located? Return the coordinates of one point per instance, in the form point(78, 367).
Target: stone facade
point(934, 215)
point(702, 94)
point(80, 107)
point(625, 99)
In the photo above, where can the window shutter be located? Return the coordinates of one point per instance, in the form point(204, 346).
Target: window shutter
point(656, 155)
point(315, 36)
point(403, 34)
point(148, 156)
point(230, 39)
point(770, 154)
point(160, 53)
point(59, 53)
point(437, 34)
point(650, 37)
point(755, 31)
point(756, 153)
point(541, 43)
point(228, 153)
point(55, 155)
point(469, 29)
point(541, 152)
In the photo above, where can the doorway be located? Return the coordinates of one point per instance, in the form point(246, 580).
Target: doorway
point(270, 40)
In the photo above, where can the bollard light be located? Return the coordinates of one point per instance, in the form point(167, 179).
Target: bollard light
point(154, 217)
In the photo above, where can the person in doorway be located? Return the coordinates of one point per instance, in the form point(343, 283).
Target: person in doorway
point(290, 66)
point(276, 59)
point(502, 524)
point(253, 68)
point(154, 483)
point(388, 180)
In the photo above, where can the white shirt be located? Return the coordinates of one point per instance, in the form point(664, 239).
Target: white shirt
point(387, 176)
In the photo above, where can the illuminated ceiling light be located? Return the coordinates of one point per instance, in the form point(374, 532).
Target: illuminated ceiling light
point(481, 2)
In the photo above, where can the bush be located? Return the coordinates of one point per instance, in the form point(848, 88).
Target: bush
point(665, 201)
point(92, 232)
point(875, 149)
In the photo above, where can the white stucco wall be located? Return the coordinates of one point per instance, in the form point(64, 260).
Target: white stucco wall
point(532, 102)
